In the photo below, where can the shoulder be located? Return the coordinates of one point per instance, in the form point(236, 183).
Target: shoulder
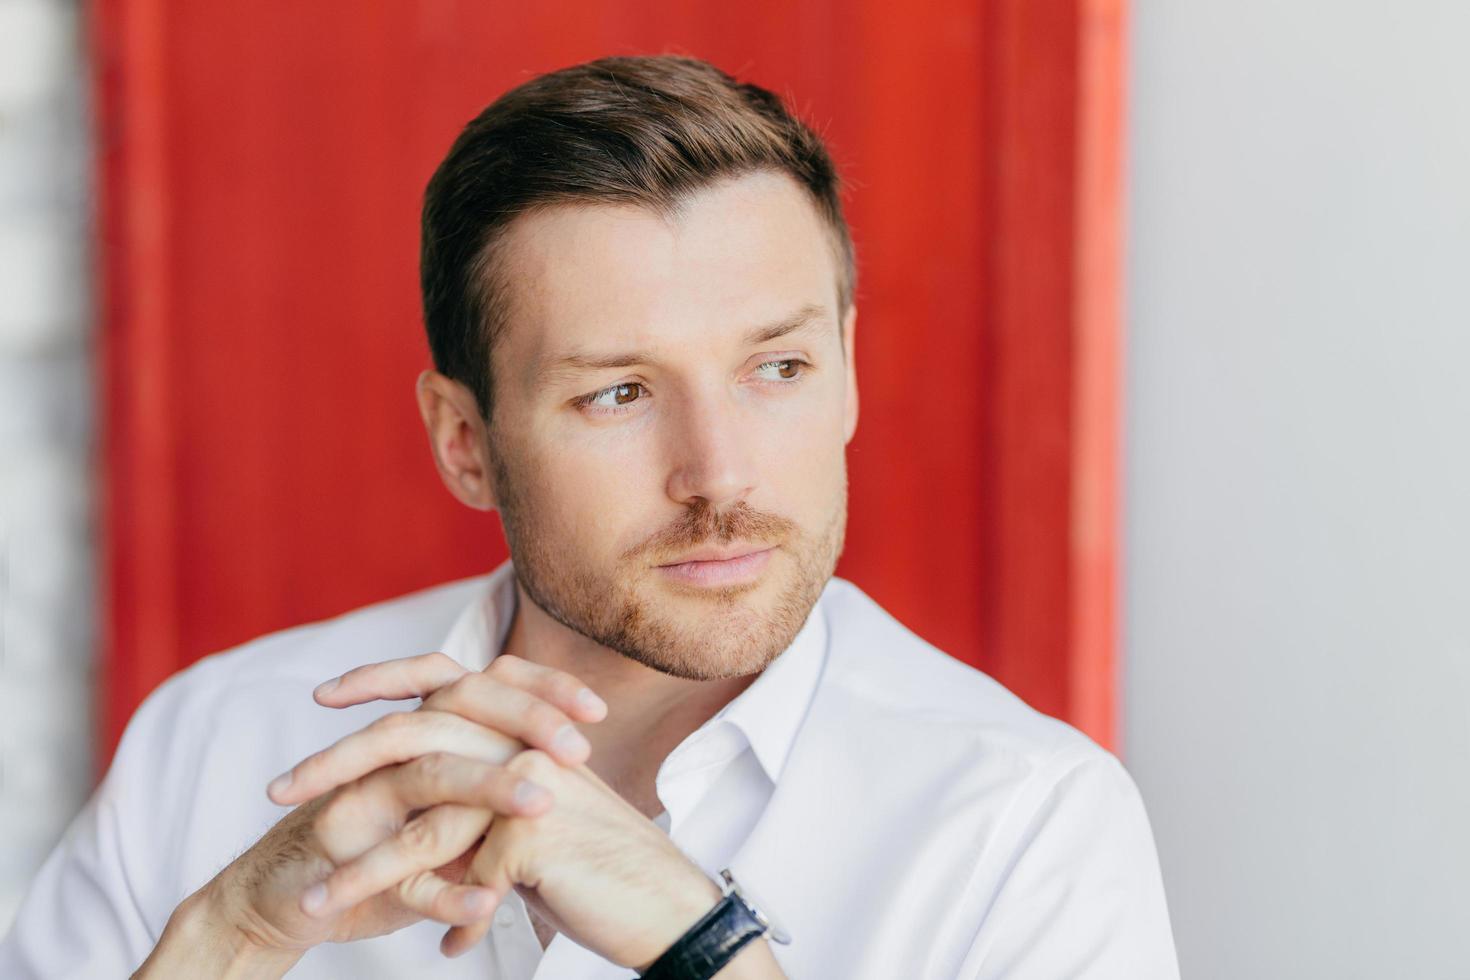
point(265, 685)
point(923, 697)
point(966, 793)
point(1035, 803)
point(187, 780)
point(398, 627)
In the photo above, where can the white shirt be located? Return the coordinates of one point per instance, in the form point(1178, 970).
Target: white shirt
point(899, 812)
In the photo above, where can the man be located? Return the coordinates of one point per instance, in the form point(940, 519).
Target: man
point(639, 292)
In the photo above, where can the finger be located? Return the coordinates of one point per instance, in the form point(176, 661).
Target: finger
point(391, 680)
point(516, 712)
point(427, 842)
point(394, 738)
point(463, 936)
point(557, 687)
point(488, 869)
point(434, 898)
point(430, 841)
point(410, 677)
point(362, 815)
point(443, 777)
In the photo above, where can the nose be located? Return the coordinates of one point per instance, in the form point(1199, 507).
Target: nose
point(710, 452)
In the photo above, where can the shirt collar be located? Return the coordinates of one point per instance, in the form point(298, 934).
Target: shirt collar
point(479, 631)
point(768, 713)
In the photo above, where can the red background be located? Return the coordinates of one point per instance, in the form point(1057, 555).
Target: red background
point(260, 172)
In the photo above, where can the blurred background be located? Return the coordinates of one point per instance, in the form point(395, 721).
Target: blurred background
point(1163, 345)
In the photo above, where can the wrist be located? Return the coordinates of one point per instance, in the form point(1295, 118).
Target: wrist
point(695, 900)
point(201, 939)
point(727, 941)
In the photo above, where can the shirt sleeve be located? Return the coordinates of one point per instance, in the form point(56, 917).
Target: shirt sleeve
point(1080, 893)
point(83, 915)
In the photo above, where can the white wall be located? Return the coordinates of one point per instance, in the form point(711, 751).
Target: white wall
point(1297, 628)
point(46, 588)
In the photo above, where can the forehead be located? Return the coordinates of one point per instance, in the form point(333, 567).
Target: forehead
point(743, 251)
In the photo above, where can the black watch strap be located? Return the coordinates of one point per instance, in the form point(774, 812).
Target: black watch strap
point(709, 944)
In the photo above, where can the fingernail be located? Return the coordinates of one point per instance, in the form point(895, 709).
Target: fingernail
point(314, 899)
point(590, 701)
point(279, 785)
point(481, 901)
point(529, 794)
point(569, 741)
point(326, 687)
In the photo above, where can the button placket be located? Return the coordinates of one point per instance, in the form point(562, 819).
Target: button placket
point(513, 940)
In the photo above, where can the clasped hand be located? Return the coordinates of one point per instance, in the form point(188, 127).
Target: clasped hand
point(439, 812)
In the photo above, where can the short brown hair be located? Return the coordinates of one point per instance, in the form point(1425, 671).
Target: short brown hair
point(640, 130)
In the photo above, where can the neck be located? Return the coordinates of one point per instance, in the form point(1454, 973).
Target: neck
point(649, 712)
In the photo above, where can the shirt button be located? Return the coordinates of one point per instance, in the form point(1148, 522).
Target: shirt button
point(505, 917)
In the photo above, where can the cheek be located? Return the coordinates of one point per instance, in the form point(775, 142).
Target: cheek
point(805, 433)
point(589, 494)
point(803, 465)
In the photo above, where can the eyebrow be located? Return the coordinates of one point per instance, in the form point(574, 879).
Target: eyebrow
point(801, 321)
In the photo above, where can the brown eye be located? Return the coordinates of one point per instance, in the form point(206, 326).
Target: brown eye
point(789, 369)
point(622, 394)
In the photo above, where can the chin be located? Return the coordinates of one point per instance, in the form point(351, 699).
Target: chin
point(700, 601)
point(734, 658)
point(746, 620)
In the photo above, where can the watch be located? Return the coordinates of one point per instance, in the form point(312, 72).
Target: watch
point(715, 939)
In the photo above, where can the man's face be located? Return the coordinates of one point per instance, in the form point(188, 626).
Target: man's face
point(639, 419)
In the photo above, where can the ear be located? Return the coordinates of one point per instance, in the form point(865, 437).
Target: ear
point(851, 407)
point(458, 439)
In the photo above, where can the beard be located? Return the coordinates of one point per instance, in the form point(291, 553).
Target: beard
point(725, 633)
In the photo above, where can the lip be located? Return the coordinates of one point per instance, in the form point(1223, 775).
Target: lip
point(718, 554)
point(736, 568)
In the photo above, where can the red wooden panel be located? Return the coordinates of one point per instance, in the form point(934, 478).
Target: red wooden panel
point(260, 173)
point(1052, 333)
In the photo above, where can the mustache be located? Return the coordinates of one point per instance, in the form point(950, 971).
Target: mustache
point(703, 524)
